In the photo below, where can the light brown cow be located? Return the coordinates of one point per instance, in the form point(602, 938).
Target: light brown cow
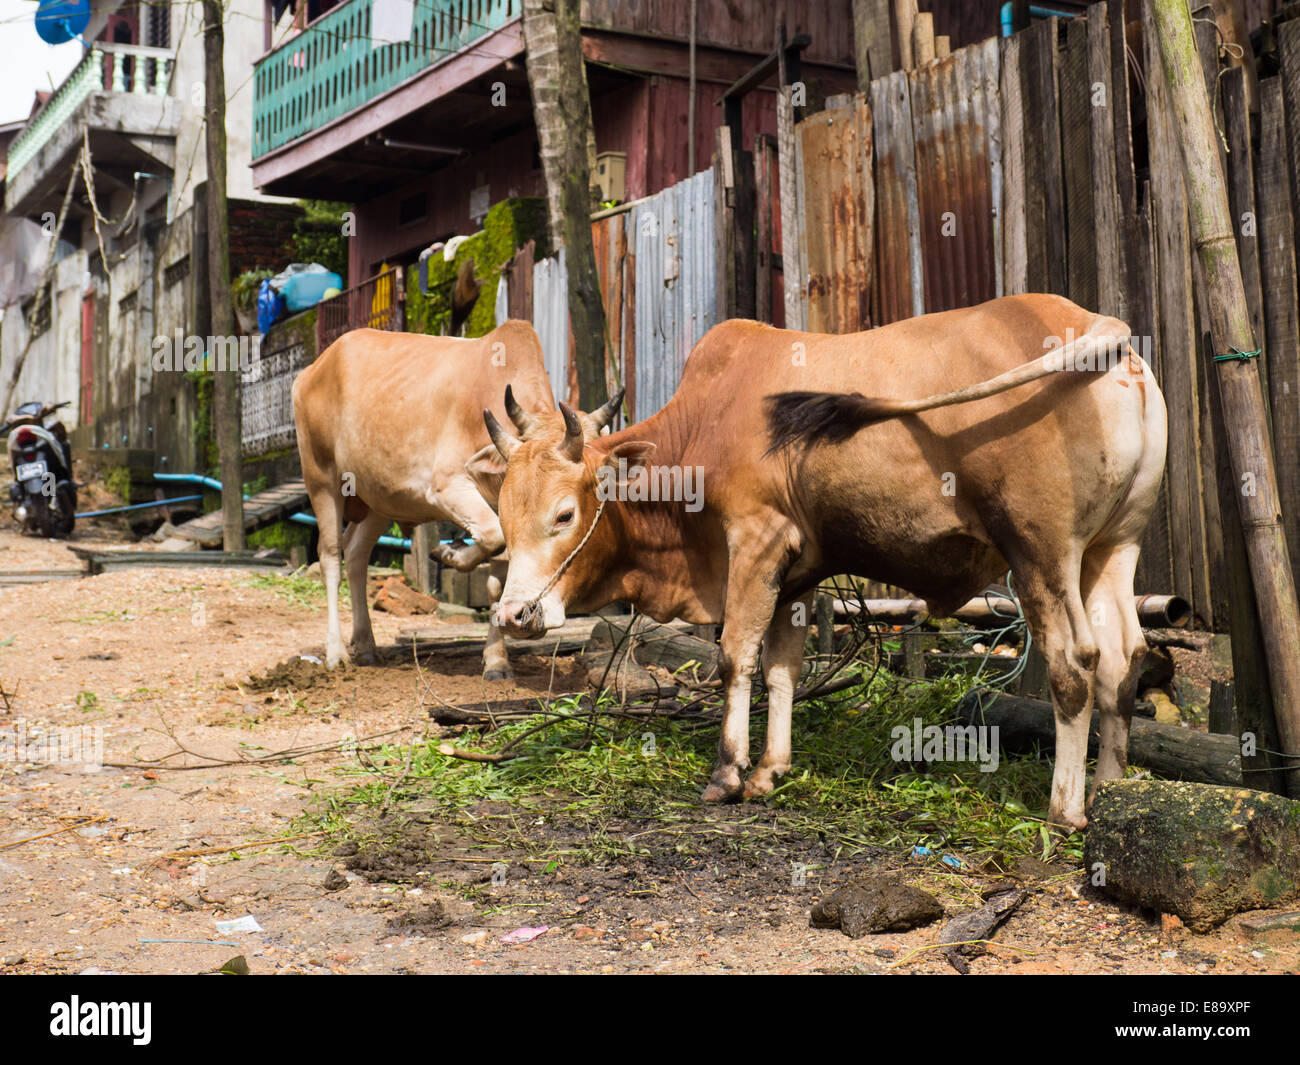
point(1045, 472)
point(390, 427)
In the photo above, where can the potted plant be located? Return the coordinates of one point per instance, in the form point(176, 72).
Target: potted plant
point(243, 293)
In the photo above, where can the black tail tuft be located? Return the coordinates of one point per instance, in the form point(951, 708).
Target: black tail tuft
point(801, 419)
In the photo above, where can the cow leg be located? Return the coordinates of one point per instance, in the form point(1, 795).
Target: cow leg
point(464, 505)
point(760, 554)
point(358, 542)
point(1059, 624)
point(1108, 580)
point(782, 661)
point(328, 509)
point(496, 663)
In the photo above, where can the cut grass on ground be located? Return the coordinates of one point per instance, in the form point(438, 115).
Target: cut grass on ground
point(610, 788)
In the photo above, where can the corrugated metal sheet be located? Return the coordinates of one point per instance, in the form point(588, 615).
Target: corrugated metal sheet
point(839, 208)
point(676, 299)
point(954, 104)
point(897, 291)
point(551, 319)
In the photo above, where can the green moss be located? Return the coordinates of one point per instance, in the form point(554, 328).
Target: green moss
point(508, 225)
point(118, 481)
point(281, 536)
point(205, 436)
point(318, 236)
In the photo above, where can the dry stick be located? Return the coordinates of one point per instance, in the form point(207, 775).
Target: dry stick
point(204, 852)
point(288, 754)
point(964, 943)
point(1244, 413)
point(53, 832)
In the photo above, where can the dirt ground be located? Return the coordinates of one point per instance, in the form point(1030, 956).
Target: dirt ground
point(153, 657)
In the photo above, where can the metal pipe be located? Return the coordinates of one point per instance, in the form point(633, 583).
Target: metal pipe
point(1154, 611)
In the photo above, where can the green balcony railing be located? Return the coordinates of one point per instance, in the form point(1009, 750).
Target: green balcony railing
point(333, 67)
point(106, 67)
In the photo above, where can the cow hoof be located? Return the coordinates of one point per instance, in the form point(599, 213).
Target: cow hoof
point(760, 784)
point(728, 789)
point(365, 658)
point(1062, 825)
point(498, 674)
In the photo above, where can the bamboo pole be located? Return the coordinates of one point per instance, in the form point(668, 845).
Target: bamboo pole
point(1249, 449)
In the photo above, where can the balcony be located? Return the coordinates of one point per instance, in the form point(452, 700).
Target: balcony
point(333, 69)
point(118, 96)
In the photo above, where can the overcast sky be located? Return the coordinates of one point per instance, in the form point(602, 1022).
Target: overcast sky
point(26, 62)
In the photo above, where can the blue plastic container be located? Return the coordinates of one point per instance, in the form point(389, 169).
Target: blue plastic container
point(305, 290)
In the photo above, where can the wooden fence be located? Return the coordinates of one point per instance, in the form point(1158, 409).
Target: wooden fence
point(1047, 162)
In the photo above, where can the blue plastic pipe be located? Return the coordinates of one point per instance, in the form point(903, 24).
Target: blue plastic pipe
point(138, 506)
point(398, 542)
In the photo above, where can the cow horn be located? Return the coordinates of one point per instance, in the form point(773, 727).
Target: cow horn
point(572, 445)
point(522, 419)
point(602, 417)
point(505, 443)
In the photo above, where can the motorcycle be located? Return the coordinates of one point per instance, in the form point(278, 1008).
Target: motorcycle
point(44, 495)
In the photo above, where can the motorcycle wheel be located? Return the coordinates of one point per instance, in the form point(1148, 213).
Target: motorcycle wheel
point(41, 520)
point(67, 498)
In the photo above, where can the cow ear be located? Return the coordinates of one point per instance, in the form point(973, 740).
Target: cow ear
point(628, 456)
point(487, 469)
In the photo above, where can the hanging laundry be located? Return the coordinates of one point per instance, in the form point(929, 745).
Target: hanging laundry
point(391, 22)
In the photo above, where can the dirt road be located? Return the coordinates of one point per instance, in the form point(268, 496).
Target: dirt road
point(131, 867)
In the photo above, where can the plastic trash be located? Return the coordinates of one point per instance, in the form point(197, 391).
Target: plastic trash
point(524, 935)
point(270, 307)
point(303, 285)
point(247, 923)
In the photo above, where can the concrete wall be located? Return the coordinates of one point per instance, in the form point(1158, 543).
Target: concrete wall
point(244, 34)
point(52, 369)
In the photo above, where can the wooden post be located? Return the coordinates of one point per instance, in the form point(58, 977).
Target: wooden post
point(942, 46)
point(791, 210)
point(1245, 420)
point(225, 392)
point(764, 159)
point(825, 625)
point(904, 19)
point(923, 39)
point(872, 49)
point(562, 114)
point(724, 222)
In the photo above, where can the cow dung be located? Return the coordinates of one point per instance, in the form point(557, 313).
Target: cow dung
point(875, 904)
point(1199, 851)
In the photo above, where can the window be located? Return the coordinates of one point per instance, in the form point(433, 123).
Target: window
point(412, 208)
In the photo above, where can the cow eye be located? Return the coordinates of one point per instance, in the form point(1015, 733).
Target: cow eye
point(565, 517)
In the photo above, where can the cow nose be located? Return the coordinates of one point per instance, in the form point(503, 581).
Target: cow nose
point(518, 617)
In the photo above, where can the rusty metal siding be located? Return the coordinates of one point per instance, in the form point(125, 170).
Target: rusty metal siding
point(839, 209)
point(952, 102)
point(897, 290)
point(551, 319)
point(676, 303)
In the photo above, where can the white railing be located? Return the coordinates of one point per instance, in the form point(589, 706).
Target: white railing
point(106, 67)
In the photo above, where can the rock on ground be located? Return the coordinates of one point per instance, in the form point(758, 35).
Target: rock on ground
point(1199, 851)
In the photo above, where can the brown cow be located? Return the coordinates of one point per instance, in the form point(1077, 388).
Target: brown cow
point(1047, 473)
point(390, 426)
